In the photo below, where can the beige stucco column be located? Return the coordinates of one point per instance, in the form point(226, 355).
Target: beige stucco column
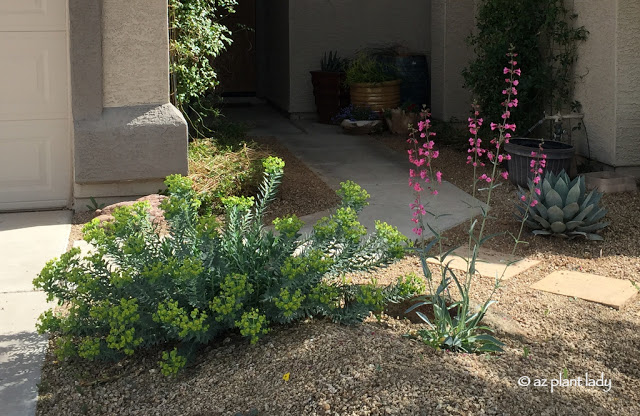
point(127, 137)
point(451, 22)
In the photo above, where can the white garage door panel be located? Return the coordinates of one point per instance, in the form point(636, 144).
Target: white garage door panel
point(34, 164)
point(32, 15)
point(33, 75)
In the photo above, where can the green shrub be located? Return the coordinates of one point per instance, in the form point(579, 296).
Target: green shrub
point(181, 290)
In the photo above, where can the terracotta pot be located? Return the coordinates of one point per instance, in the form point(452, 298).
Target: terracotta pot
point(330, 93)
point(399, 122)
point(377, 96)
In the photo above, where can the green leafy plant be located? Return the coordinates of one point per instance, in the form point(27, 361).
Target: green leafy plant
point(562, 208)
point(546, 37)
point(365, 68)
point(184, 286)
point(94, 206)
point(196, 37)
point(332, 63)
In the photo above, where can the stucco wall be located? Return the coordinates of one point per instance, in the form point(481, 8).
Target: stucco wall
point(134, 71)
point(452, 22)
point(596, 78)
point(272, 37)
point(627, 149)
point(347, 26)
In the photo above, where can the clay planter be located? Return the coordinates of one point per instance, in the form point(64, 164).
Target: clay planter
point(559, 157)
point(330, 93)
point(399, 122)
point(376, 96)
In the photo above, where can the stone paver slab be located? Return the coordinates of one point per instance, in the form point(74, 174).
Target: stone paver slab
point(591, 287)
point(489, 263)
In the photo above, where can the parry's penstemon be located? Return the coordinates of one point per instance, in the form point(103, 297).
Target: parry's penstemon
point(455, 326)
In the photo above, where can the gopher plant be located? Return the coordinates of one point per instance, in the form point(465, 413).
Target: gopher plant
point(198, 279)
point(563, 208)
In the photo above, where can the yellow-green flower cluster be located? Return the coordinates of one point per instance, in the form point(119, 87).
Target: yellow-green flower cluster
point(252, 324)
point(89, 348)
point(326, 295)
point(394, 239)
point(314, 262)
point(288, 226)
point(371, 295)
point(121, 319)
point(325, 228)
point(289, 303)
point(232, 290)
point(186, 323)
point(185, 269)
point(171, 362)
point(353, 195)
point(347, 219)
point(410, 285)
point(273, 165)
point(242, 203)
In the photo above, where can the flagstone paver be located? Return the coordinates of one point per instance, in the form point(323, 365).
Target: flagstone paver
point(489, 263)
point(591, 287)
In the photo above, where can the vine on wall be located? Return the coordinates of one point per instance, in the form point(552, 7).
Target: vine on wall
point(546, 38)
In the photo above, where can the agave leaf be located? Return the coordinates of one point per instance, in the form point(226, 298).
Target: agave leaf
point(584, 213)
point(596, 216)
point(521, 209)
point(595, 237)
point(571, 225)
point(570, 210)
point(562, 188)
point(555, 214)
point(533, 225)
point(587, 200)
point(542, 221)
point(593, 227)
point(577, 233)
point(542, 210)
point(546, 185)
point(542, 232)
point(553, 198)
point(558, 227)
point(573, 195)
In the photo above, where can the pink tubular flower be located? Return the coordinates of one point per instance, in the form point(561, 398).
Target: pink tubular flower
point(438, 177)
point(534, 203)
point(505, 175)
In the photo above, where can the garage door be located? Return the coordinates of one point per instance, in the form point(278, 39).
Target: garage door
point(35, 145)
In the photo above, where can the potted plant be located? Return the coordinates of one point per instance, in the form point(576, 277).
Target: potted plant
point(399, 119)
point(358, 120)
point(329, 87)
point(546, 87)
point(372, 83)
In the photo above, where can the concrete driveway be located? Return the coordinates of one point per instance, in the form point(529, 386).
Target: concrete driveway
point(27, 241)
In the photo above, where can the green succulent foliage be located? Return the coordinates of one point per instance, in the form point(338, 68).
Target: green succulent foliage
point(199, 279)
point(563, 208)
point(332, 63)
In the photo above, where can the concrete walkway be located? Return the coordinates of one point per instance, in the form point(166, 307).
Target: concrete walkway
point(337, 157)
point(27, 241)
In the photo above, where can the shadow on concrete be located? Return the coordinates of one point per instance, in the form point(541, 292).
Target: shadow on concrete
point(21, 356)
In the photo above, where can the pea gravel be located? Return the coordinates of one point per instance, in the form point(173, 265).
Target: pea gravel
point(373, 369)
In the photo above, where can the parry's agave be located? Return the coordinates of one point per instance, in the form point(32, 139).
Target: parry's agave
point(562, 208)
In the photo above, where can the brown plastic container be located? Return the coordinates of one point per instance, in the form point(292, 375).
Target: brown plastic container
point(330, 93)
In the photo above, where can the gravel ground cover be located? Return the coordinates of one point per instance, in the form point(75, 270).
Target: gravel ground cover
point(373, 369)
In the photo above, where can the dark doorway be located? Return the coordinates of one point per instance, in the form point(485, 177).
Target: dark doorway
point(236, 67)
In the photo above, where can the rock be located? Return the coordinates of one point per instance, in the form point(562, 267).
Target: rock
point(154, 200)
